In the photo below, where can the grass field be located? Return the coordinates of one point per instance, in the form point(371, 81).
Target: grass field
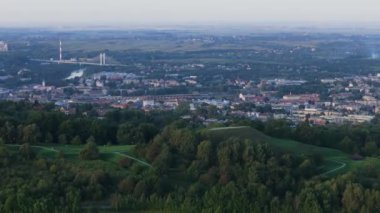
point(71, 152)
point(335, 161)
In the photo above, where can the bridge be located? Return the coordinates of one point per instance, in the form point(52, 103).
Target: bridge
point(88, 61)
point(76, 62)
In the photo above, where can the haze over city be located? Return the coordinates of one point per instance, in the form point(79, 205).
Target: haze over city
point(133, 12)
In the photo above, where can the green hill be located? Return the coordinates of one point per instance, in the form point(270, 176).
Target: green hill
point(243, 132)
point(335, 161)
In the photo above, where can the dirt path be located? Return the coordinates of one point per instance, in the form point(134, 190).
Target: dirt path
point(342, 165)
point(133, 158)
point(225, 128)
point(40, 147)
point(116, 153)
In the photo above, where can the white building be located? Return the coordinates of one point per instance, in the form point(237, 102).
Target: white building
point(3, 46)
point(148, 103)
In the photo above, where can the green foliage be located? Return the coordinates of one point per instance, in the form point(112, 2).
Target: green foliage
point(130, 134)
point(89, 151)
point(49, 138)
point(76, 140)
point(62, 139)
point(30, 134)
point(187, 168)
point(3, 149)
point(26, 151)
point(347, 145)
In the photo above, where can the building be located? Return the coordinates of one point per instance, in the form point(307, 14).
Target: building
point(3, 46)
point(301, 98)
point(42, 87)
point(148, 103)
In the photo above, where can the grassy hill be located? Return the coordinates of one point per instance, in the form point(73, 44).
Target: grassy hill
point(335, 161)
point(110, 155)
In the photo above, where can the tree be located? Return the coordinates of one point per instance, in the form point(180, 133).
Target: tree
point(125, 162)
point(126, 186)
point(129, 134)
point(141, 188)
point(154, 148)
point(116, 201)
point(99, 130)
point(31, 134)
point(3, 149)
point(10, 204)
point(49, 138)
point(10, 132)
point(370, 148)
point(184, 141)
point(89, 151)
point(353, 197)
point(26, 151)
point(310, 204)
point(148, 131)
point(278, 128)
point(306, 167)
point(347, 145)
point(204, 150)
point(62, 139)
point(91, 139)
point(76, 140)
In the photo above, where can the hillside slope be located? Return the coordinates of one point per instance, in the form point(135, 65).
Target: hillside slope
point(335, 161)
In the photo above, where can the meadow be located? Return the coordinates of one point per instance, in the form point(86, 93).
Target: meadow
point(109, 153)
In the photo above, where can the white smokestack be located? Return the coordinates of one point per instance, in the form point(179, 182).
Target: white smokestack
point(60, 50)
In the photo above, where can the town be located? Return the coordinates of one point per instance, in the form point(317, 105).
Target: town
point(189, 106)
point(235, 87)
point(350, 99)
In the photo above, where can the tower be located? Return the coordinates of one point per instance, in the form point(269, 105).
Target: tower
point(60, 50)
point(102, 57)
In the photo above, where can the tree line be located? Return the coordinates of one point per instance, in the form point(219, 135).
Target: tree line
point(190, 170)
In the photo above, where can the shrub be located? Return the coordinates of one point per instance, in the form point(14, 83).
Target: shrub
point(89, 152)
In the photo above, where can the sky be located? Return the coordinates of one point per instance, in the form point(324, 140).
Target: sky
point(132, 12)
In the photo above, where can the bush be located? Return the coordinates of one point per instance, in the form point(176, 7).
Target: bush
point(89, 152)
point(26, 151)
point(125, 162)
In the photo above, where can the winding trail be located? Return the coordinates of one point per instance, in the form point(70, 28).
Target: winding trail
point(342, 165)
point(40, 147)
point(116, 153)
point(133, 158)
point(226, 128)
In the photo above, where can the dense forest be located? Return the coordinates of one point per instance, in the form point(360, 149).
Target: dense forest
point(175, 165)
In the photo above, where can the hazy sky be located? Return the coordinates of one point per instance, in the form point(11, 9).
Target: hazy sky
point(186, 11)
